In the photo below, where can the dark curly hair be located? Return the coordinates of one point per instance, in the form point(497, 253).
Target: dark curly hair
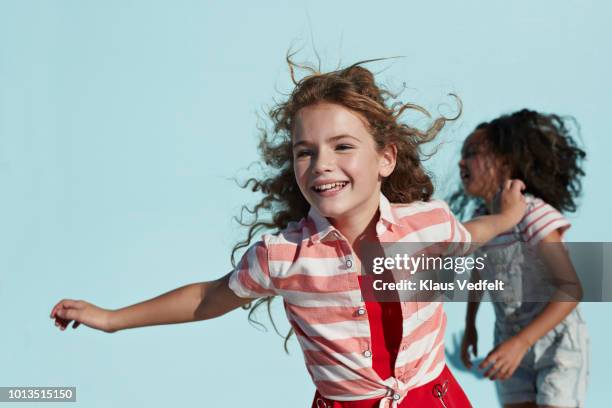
point(353, 87)
point(539, 150)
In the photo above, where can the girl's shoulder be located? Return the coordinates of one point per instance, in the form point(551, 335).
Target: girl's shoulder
point(424, 208)
point(536, 206)
point(419, 205)
point(294, 233)
point(540, 219)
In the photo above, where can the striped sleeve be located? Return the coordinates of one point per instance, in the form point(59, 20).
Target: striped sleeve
point(251, 278)
point(540, 220)
point(459, 236)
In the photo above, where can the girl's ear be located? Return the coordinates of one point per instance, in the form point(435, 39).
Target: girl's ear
point(388, 158)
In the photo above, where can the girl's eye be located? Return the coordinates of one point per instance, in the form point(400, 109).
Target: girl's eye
point(344, 147)
point(303, 153)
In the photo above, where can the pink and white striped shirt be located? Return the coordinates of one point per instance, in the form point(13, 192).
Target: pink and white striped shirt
point(312, 267)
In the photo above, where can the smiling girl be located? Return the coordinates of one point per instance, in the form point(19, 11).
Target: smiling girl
point(340, 157)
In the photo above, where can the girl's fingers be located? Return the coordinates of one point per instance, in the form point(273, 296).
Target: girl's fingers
point(518, 185)
point(62, 303)
point(55, 308)
point(68, 314)
point(489, 359)
point(494, 369)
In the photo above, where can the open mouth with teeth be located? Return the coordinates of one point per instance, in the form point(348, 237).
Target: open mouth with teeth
point(329, 188)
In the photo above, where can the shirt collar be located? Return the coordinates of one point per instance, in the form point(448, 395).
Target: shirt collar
point(319, 227)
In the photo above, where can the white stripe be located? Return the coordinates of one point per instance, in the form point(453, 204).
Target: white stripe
point(255, 270)
point(432, 375)
point(287, 236)
point(335, 331)
point(417, 349)
point(333, 373)
point(421, 377)
point(306, 344)
point(379, 392)
point(307, 299)
point(308, 266)
point(417, 207)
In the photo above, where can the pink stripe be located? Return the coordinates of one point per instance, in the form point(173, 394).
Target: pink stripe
point(414, 223)
point(426, 327)
point(290, 252)
point(320, 358)
point(416, 363)
point(244, 276)
point(348, 345)
point(538, 219)
point(562, 224)
point(354, 387)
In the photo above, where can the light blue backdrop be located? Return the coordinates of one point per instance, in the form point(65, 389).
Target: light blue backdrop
point(122, 123)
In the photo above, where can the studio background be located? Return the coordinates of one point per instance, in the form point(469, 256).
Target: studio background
point(122, 125)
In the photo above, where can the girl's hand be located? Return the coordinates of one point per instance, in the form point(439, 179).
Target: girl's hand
point(505, 358)
point(470, 339)
point(79, 311)
point(510, 202)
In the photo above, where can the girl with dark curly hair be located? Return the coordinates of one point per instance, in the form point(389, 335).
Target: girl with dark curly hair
point(541, 344)
point(338, 157)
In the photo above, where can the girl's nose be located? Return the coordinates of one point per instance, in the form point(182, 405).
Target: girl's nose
point(323, 163)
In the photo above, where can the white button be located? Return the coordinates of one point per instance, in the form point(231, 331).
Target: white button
point(404, 347)
point(367, 353)
point(396, 396)
point(361, 311)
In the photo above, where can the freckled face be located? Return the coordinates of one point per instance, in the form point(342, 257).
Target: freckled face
point(336, 163)
point(480, 170)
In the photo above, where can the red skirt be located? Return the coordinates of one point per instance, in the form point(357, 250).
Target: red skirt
point(443, 392)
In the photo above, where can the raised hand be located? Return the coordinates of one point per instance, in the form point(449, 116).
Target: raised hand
point(510, 201)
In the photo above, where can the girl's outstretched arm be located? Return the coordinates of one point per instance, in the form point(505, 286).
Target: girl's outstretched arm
point(197, 301)
point(506, 357)
point(511, 210)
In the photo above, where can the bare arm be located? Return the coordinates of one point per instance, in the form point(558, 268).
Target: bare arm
point(197, 301)
point(512, 208)
point(470, 334)
point(506, 357)
point(567, 296)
